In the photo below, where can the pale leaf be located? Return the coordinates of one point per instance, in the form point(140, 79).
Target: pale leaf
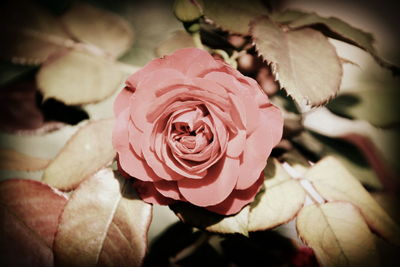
point(335, 183)
point(282, 199)
point(338, 29)
point(88, 150)
point(349, 156)
point(303, 61)
point(30, 34)
point(99, 27)
point(101, 225)
point(75, 78)
point(373, 101)
point(42, 144)
point(29, 216)
point(13, 160)
point(234, 16)
point(180, 39)
point(338, 235)
point(210, 221)
point(380, 146)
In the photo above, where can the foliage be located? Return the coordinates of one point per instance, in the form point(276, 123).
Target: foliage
point(60, 75)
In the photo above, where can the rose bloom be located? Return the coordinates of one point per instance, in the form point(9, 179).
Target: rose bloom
point(191, 128)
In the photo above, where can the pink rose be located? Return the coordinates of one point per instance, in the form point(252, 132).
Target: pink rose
point(190, 128)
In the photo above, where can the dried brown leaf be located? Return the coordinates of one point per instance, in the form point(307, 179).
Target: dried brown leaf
point(88, 150)
point(303, 61)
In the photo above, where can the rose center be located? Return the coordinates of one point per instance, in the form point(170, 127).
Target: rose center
point(190, 131)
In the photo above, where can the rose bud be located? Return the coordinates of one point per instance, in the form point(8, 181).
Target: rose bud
point(187, 10)
point(191, 128)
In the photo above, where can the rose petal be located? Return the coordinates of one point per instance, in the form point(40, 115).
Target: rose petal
point(273, 118)
point(128, 160)
point(238, 199)
point(213, 188)
point(254, 158)
point(148, 193)
point(122, 100)
point(173, 164)
point(168, 189)
point(135, 138)
point(237, 144)
point(153, 161)
point(245, 93)
point(189, 61)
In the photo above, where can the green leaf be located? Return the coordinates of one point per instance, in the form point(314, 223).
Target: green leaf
point(338, 29)
point(180, 39)
point(30, 34)
point(88, 150)
point(29, 217)
point(210, 221)
point(338, 235)
point(75, 78)
point(371, 101)
point(279, 203)
point(102, 224)
point(99, 27)
point(234, 16)
point(335, 183)
point(303, 61)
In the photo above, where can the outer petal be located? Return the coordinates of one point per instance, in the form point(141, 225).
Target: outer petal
point(238, 199)
point(148, 193)
point(122, 101)
point(190, 61)
point(213, 188)
point(128, 160)
point(255, 155)
point(273, 118)
point(168, 189)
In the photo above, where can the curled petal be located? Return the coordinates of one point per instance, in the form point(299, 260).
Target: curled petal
point(129, 161)
point(168, 189)
point(272, 117)
point(148, 193)
point(238, 199)
point(122, 100)
point(213, 188)
point(254, 158)
point(153, 161)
